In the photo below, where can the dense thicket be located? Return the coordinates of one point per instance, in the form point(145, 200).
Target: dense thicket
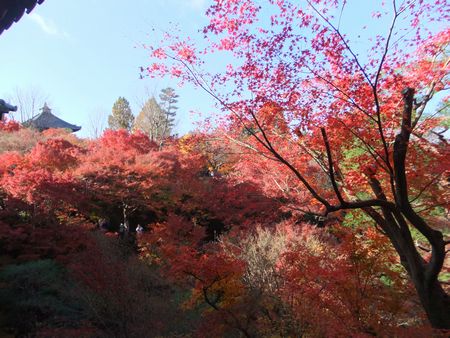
point(218, 254)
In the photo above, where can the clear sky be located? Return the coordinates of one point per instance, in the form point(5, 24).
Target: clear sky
point(86, 53)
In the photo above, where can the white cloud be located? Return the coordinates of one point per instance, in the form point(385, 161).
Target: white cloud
point(47, 26)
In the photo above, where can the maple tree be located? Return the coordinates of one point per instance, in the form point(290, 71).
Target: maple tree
point(48, 211)
point(9, 126)
point(40, 177)
point(316, 130)
point(114, 175)
point(234, 241)
point(54, 192)
point(294, 280)
point(296, 70)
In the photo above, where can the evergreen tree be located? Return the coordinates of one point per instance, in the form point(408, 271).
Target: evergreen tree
point(121, 116)
point(168, 100)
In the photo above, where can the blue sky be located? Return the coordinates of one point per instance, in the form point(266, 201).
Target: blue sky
point(85, 54)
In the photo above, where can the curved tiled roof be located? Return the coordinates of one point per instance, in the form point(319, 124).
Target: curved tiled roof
point(47, 120)
point(12, 10)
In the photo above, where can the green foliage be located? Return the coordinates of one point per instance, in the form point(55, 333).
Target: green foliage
point(355, 219)
point(37, 294)
point(445, 277)
point(446, 122)
point(351, 154)
point(121, 116)
point(417, 236)
point(168, 100)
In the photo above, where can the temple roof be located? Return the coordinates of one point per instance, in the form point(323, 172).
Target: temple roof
point(12, 10)
point(47, 120)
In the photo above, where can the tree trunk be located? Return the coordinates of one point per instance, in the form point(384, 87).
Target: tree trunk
point(434, 299)
point(436, 304)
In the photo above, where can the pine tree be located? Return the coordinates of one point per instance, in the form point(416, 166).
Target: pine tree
point(121, 116)
point(168, 103)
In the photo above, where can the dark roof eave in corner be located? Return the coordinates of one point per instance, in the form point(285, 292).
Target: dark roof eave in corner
point(12, 11)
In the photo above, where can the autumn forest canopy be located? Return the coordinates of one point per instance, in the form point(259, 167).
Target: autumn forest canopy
point(315, 203)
